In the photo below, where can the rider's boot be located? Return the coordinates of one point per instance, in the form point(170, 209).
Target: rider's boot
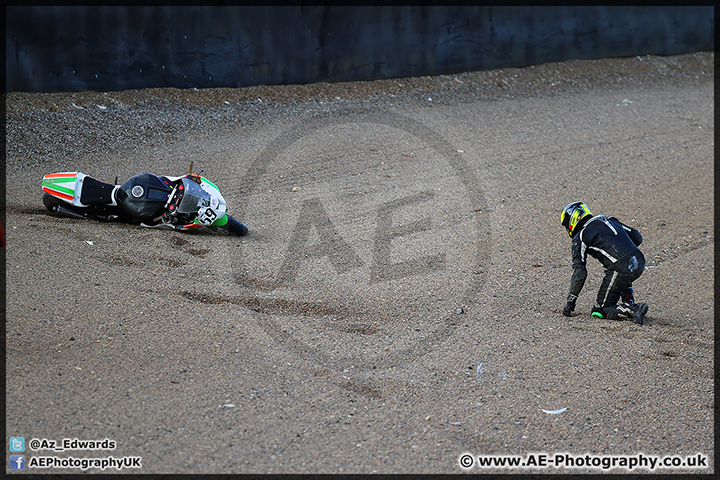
point(640, 310)
point(613, 312)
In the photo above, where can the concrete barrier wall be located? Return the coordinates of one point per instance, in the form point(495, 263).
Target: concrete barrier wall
point(116, 48)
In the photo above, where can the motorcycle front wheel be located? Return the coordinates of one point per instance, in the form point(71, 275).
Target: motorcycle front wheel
point(236, 228)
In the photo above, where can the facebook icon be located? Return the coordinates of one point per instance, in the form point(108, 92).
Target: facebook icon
point(17, 462)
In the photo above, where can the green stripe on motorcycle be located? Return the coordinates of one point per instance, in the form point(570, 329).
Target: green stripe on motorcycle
point(53, 182)
point(210, 183)
point(60, 189)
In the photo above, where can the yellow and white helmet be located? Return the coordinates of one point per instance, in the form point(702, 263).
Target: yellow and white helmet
point(572, 215)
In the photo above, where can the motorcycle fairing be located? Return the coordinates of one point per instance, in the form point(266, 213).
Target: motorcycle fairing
point(217, 202)
point(79, 189)
point(66, 186)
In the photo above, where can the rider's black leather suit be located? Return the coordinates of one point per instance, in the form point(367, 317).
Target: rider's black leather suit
point(615, 245)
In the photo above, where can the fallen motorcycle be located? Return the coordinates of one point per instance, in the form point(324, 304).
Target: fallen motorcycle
point(180, 203)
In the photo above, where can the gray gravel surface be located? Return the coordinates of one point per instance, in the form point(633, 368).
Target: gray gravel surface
point(397, 302)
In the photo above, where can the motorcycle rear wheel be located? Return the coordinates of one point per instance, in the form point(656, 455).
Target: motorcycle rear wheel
point(49, 201)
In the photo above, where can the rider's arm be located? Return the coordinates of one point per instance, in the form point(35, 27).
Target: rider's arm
point(579, 274)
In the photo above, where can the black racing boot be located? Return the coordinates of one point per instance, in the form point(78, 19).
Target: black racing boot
point(613, 312)
point(640, 311)
point(625, 311)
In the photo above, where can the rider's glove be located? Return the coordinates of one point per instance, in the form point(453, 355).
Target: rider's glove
point(568, 309)
point(206, 216)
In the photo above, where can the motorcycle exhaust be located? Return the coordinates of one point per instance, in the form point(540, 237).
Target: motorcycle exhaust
point(64, 212)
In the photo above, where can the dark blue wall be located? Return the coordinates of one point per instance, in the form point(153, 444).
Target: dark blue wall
point(118, 48)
